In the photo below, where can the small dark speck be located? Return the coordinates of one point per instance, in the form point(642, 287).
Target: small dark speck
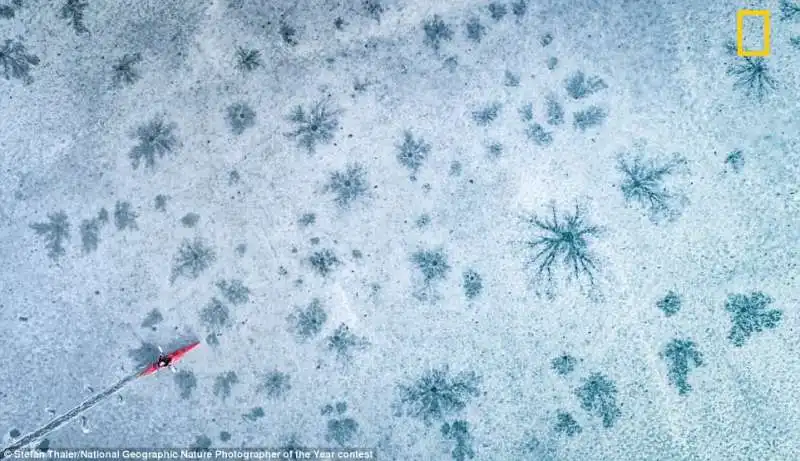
point(315, 241)
point(224, 436)
point(14, 433)
point(23, 319)
point(357, 254)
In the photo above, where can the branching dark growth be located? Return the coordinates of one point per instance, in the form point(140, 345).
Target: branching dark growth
point(374, 9)
point(510, 79)
point(124, 216)
point(750, 314)
point(494, 149)
point(344, 343)
point(307, 322)
point(156, 138)
point(234, 291)
point(590, 117)
point(186, 382)
point(193, 258)
point(293, 443)
point(276, 384)
point(598, 396)
point(247, 59)
point(240, 116)
point(201, 443)
point(341, 429)
point(288, 34)
point(254, 414)
point(215, 315)
point(432, 264)
point(223, 384)
point(790, 11)
point(56, 232)
point(153, 318)
point(580, 86)
point(531, 445)
point(564, 364)
point(338, 408)
point(487, 114)
point(315, 126)
point(555, 112)
point(538, 135)
point(475, 30)
point(497, 10)
point(307, 219)
point(349, 185)
point(324, 261)
point(526, 112)
point(753, 75)
point(436, 32)
point(190, 219)
point(458, 432)
point(438, 394)
point(519, 8)
point(412, 153)
point(681, 356)
point(90, 235)
point(472, 283)
point(735, 160)
point(562, 242)
point(644, 183)
point(670, 304)
point(566, 424)
point(160, 202)
point(73, 12)
point(7, 12)
point(90, 231)
point(16, 61)
point(125, 72)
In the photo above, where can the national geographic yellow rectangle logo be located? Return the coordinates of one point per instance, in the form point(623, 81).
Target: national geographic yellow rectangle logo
point(740, 15)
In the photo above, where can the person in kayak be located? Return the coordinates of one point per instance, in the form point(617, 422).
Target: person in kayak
point(164, 361)
point(168, 360)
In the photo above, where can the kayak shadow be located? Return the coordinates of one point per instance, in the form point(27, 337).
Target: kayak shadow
point(144, 355)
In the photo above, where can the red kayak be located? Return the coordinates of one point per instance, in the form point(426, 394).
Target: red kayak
point(167, 360)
